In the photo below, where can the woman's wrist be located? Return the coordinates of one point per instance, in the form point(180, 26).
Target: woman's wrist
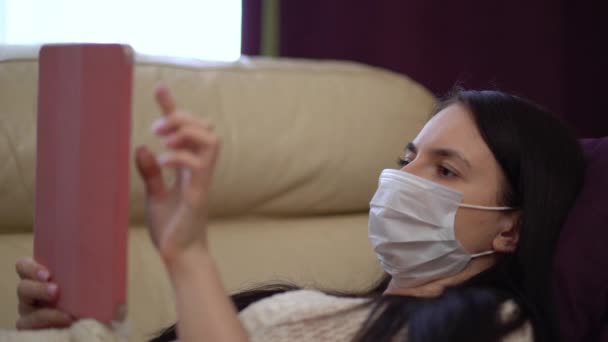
point(204, 309)
point(188, 260)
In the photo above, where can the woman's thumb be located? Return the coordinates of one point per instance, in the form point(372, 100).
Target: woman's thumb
point(150, 172)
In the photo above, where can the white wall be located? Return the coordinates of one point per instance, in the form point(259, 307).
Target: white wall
point(206, 29)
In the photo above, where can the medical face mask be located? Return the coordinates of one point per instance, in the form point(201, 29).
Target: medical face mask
point(411, 227)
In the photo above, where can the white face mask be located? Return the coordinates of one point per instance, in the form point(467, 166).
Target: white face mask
point(411, 227)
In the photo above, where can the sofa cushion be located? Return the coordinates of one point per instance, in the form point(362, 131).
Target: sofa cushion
point(327, 252)
point(581, 270)
point(299, 137)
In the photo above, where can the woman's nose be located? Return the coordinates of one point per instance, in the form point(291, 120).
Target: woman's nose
point(415, 167)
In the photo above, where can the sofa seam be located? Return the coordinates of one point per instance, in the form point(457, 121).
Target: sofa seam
point(234, 67)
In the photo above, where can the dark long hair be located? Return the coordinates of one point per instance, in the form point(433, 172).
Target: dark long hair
point(543, 166)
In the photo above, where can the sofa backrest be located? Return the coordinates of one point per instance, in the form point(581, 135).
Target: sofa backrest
point(299, 137)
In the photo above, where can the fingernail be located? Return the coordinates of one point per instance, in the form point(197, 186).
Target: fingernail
point(162, 159)
point(52, 289)
point(43, 275)
point(158, 124)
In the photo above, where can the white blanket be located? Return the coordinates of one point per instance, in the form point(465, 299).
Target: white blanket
point(83, 330)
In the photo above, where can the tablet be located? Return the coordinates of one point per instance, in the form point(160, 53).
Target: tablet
point(82, 175)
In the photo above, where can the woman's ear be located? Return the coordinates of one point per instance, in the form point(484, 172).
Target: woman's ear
point(508, 236)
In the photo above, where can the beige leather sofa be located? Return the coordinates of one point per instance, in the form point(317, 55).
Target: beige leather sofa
point(304, 143)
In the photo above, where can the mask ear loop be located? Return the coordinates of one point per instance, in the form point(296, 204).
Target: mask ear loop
point(477, 255)
point(481, 207)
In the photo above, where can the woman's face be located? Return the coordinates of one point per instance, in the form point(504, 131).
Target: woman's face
point(450, 151)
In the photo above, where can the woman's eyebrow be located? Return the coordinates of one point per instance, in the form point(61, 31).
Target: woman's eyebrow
point(441, 152)
point(449, 153)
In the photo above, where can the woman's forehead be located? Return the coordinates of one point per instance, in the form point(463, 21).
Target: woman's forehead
point(454, 128)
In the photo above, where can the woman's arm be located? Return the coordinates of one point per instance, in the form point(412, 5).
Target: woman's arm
point(177, 222)
point(203, 306)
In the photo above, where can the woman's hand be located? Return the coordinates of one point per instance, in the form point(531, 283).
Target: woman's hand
point(38, 298)
point(177, 215)
point(177, 220)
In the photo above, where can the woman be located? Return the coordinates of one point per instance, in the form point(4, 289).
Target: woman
point(465, 231)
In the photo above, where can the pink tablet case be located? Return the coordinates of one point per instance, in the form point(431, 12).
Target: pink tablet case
point(82, 173)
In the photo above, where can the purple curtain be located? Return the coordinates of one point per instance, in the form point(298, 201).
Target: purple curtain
point(585, 33)
point(546, 50)
point(251, 27)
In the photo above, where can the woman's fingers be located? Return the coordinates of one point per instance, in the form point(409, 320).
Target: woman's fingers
point(36, 297)
point(27, 268)
point(165, 100)
point(150, 172)
point(30, 292)
point(191, 138)
point(193, 143)
point(44, 318)
point(181, 159)
point(167, 125)
point(195, 170)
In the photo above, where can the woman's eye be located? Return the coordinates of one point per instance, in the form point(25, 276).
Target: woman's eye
point(402, 162)
point(445, 172)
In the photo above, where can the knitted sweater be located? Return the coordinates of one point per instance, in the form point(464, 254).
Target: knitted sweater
point(308, 315)
point(303, 315)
